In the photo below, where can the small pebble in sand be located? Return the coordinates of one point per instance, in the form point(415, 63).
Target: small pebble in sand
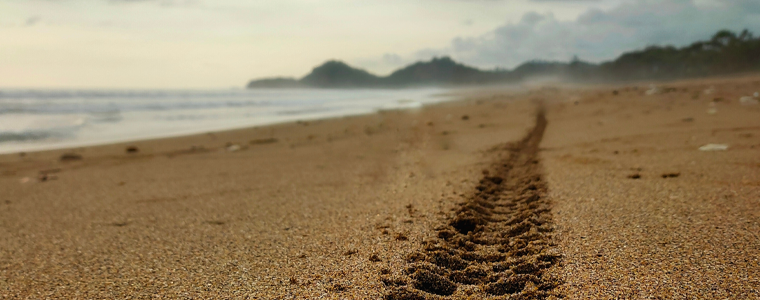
point(671, 175)
point(338, 287)
point(634, 176)
point(263, 141)
point(465, 117)
point(46, 177)
point(714, 147)
point(24, 180)
point(233, 147)
point(132, 149)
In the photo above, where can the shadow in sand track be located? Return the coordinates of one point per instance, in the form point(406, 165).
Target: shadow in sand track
point(498, 243)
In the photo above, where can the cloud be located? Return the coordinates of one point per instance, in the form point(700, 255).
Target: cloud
point(598, 35)
point(392, 58)
point(166, 3)
point(31, 21)
point(565, 1)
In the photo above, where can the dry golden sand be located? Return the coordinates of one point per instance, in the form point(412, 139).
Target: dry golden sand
point(688, 227)
point(341, 208)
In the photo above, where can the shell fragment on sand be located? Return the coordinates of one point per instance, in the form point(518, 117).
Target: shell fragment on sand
point(714, 147)
point(747, 100)
point(712, 108)
point(652, 90)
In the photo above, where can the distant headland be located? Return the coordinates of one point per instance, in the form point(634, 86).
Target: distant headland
point(725, 53)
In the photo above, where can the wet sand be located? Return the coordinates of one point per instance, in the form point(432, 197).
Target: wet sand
point(457, 200)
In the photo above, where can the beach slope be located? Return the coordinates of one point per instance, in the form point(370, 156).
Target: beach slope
point(601, 194)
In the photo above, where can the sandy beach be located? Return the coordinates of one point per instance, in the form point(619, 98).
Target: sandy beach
point(543, 192)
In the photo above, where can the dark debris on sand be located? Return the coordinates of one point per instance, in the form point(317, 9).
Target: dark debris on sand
point(498, 243)
point(71, 157)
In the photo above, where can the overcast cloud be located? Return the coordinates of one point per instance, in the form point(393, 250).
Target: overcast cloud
point(598, 35)
point(223, 43)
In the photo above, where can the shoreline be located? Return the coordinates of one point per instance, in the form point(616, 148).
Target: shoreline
point(453, 94)
point(366, 102)
point(124, 141)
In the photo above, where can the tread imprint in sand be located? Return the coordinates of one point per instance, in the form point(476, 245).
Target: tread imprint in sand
point(497, 245)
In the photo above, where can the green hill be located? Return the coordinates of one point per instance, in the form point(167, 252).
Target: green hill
point(438, 71)
point(725, 53)
point(336, 74)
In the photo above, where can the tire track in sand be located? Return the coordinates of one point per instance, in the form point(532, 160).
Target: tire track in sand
point(498, 243)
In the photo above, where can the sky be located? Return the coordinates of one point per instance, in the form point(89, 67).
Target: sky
point(211, 44)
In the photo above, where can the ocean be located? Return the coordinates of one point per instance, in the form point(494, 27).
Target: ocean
point(33, 120)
